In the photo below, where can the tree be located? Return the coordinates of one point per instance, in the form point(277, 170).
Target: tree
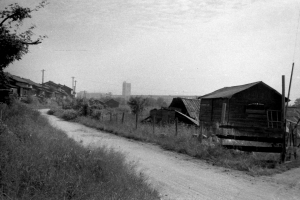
point(297, 102)
point(150, 101)
point(14, 43)
point(137, 104)
point(161, 102)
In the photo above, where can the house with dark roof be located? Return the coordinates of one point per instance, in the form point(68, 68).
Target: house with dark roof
point(19, 86)
point(57, 90)
point(37, 89)
point(67, 89)
point(252, 105)
point(111, 103)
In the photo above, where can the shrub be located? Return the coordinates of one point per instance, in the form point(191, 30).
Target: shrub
point(28, 99)
point(69, 114)
point(85, 110)
point(96, 114)
point(50, 112)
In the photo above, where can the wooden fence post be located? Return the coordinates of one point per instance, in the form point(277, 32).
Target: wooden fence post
point(223, 113)
point(283, 120)
point(123, 116)
point(153, 124)
point(176, 126)
point(200, 132)
point(110, 116)
point(136, 120)
point(295, 142)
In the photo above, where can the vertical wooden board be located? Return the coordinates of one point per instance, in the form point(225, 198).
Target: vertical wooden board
point(205, 107)
point(223, 113)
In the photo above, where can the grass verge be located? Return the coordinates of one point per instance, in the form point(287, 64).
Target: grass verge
point(38, 161)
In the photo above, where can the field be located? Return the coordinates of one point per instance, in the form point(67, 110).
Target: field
point(41, 162)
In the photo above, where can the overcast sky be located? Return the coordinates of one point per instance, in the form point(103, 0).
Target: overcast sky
point(163, 47)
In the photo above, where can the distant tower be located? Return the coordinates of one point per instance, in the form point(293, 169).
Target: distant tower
point(126, 92)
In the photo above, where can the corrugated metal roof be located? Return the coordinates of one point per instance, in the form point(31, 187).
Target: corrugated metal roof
point(228, 92)
point(193, 107)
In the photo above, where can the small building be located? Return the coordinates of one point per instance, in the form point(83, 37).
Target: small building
point(67, 89)
point(111, 103)
point(184, 109)
point(21, 86)
point(37, 89)
point(187, 107)
point(57, 90)
point(250, 105)
point(163, 115)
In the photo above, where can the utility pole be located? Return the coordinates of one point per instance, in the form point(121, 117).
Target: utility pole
point(43, 76)
point(74, 91)
point(73, 83)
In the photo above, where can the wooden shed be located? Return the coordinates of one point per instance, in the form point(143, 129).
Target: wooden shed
point(250, 105)
point(111, 103)
point(184, 109)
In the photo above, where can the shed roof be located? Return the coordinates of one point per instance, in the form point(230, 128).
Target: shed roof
point(192, 106)
point(228, 92)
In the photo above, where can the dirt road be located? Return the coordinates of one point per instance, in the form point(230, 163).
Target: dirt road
point(178, 176)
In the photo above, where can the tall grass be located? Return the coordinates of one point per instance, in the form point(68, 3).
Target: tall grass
point(210, 149)
point(38, 161)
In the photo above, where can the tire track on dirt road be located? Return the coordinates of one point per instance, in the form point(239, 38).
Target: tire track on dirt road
point(178, 176)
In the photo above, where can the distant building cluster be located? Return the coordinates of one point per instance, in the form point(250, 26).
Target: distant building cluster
point(95, 95)
point(22, 88)
point(126, 90)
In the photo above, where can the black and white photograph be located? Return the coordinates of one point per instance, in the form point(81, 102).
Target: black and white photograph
point(150, 99)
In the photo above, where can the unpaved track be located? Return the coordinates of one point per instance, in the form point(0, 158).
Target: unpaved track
point(178, 176)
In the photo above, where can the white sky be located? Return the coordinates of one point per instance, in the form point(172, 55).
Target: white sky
point(163, 47)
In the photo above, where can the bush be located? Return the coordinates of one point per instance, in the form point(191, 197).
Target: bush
point(85, 110)
point(28, 100)
point(50, 112)
point(69, 114)
point(96, 114)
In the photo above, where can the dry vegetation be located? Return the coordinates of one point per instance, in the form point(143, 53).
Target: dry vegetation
point(184, 142)
point(38, 161)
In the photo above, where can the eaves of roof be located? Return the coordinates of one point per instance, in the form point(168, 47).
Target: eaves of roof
point(228, 92)
point(187, 117)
